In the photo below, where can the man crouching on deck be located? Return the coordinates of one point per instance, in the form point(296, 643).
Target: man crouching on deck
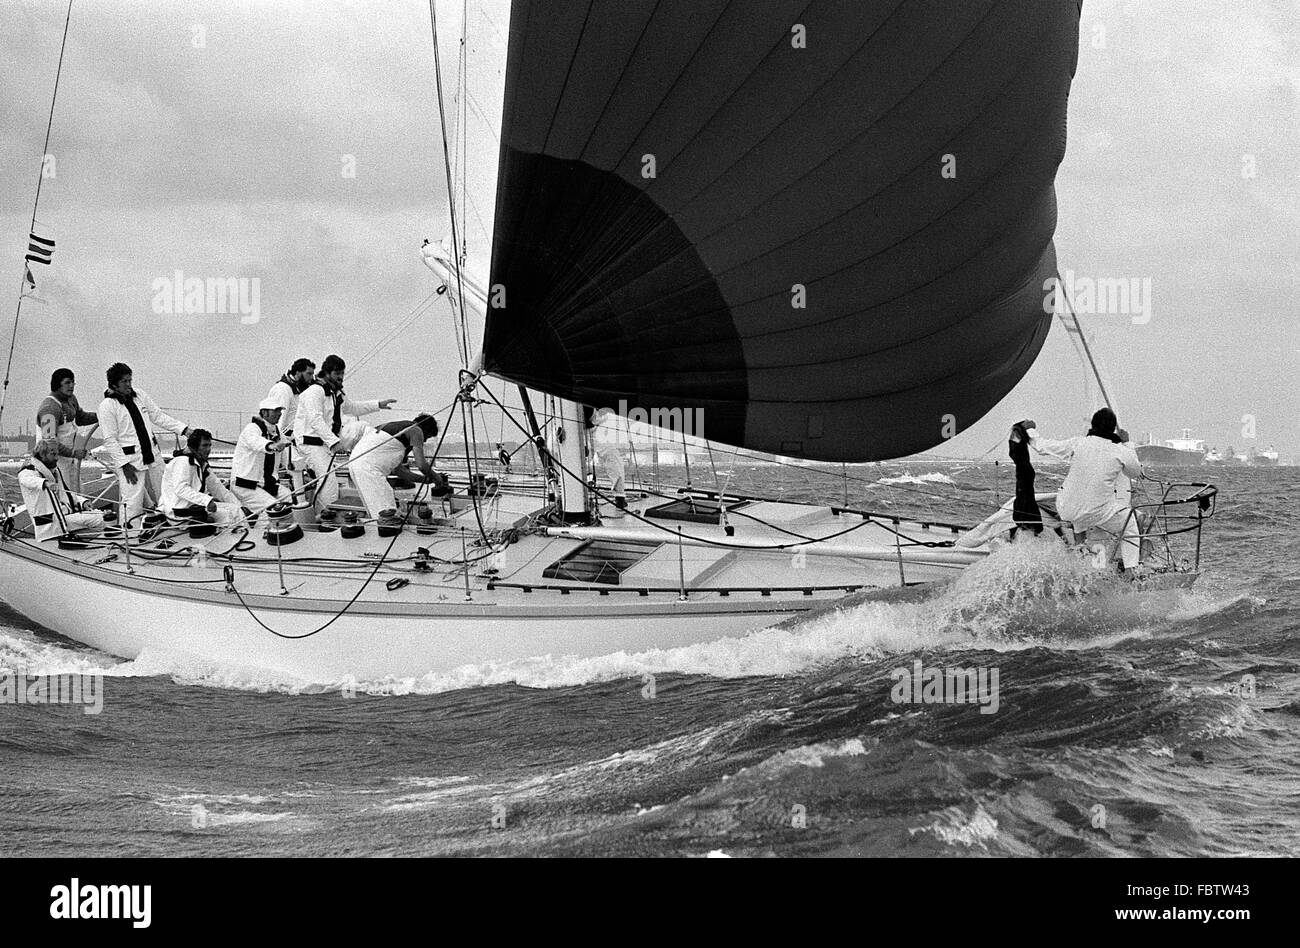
point(384, 451)
point(190, 491)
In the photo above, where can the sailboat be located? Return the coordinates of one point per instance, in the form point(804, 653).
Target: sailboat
point(823, 228)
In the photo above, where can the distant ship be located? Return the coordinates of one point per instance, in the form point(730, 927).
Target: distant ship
point(1264, 458)
point(1228, 457)
point(1185, 450)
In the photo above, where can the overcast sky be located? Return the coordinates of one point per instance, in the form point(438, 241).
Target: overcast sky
point(214, 139)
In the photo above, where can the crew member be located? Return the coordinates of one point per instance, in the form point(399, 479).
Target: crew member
point(608, 456)
point(59, 416)
point(1094, 498)
point(321, 408)
point(190, 491)
point(253, 478)
point(1025, 513)
point(127, 419)
point(285, 394)
point(52, 507)
point(383, 451)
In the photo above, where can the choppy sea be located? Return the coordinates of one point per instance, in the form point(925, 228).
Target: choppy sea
point(1168, 734)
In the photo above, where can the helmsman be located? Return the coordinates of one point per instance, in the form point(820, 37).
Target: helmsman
point(253, 478)
point(54, 510)
point(321, 408)
point(127, 419)
point(59, 415)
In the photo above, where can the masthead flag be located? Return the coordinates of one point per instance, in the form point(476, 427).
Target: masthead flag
point(39, 250)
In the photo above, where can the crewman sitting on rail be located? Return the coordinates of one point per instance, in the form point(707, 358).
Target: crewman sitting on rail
point(253, 477)
point(190, 491)
point(1095, 496)
point(383, 451)
point(54, 509)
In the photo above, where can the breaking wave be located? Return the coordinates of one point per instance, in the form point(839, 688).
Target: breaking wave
point(934, 477)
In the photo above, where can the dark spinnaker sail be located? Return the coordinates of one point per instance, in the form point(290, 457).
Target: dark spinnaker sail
point(676, 176)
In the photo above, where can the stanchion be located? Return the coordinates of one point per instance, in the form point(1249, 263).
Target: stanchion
point(464, 558)
point(681, 569)
point(898, 549)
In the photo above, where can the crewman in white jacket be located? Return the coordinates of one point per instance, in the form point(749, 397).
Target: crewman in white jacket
point(127, 421)
point(53, 509)
point(285, 394)
point(190, 491)
point(321, 408)
point(1095, 496)
point(605, 436)
point(253, 476)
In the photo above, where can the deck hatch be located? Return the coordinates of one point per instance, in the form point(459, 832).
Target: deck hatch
point(693, 509)
point(600, 561)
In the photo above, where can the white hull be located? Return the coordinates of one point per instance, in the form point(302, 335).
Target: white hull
point(513, 613)
point(125, 621)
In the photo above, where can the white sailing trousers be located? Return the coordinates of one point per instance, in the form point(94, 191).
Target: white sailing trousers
point(611, 462)
point(316, 458)
point(1107, 534)
point(133, 496)
point(87, 522)
point(257, 500)
point(376, 455)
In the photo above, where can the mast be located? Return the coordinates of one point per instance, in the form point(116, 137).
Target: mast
point(446, 262)
point(571, 450)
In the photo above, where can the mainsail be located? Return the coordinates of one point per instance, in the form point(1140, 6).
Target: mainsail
point(828, 225)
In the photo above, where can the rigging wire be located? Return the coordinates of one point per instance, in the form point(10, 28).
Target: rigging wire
point(463, 122)
point(394, 332)
point(1060, 288)
point(458, 247)
point(45, 150)
point(866, 520)
point(451, 192)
